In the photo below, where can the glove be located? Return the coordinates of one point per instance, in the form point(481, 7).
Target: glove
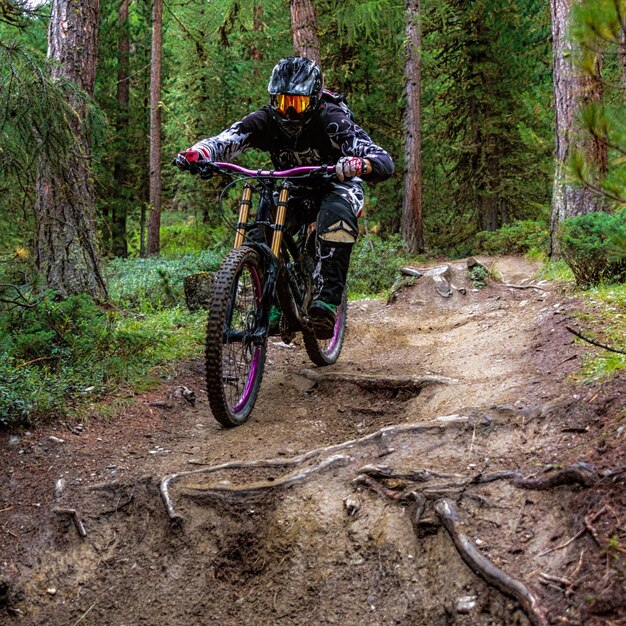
point(349, 167)
point(191, 159)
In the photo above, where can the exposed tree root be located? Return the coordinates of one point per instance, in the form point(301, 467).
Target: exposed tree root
point(579, 473)
point(369, 381)
point(203, 494)
point(486, 569)
point(383, 436)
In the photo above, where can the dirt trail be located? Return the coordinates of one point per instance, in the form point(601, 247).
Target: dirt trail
point(325, 550)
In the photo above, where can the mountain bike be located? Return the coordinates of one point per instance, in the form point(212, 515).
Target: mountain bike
point(267, 267)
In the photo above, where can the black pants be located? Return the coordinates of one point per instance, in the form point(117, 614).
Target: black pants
point(337, 230)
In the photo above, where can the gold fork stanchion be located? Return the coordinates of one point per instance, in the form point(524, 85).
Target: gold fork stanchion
point(281, 214)
point(244, 213)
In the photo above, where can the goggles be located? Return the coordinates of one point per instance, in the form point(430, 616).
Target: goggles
point(283, 102)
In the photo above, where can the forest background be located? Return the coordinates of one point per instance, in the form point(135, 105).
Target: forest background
point(505, 119)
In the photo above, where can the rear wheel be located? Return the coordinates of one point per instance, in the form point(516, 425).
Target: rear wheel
point(235, 352)
point(326, 351)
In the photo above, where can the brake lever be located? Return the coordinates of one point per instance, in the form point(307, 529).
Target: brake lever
point(206, 169)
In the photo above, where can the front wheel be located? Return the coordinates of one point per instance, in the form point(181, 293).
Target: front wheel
point(235, 349)
point(326, 351)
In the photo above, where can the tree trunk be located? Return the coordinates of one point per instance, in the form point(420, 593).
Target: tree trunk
point(412, 223)
point(571, 91)
point(622, 56)
point(120, 209)
point(65, 239)
point(258, 27)
point(306, 42)
point(154, 227)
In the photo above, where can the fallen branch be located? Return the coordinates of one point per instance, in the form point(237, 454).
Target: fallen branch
point(523, 287)
point(593, 342)
point(369, 381)
point(41, 359)
point(486, 569)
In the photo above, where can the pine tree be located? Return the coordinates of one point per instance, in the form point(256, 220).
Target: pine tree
point(154, 227)
point(483, 73)
point(412, 223)
point(65, 238)
point(572, 91)
point(306, 42)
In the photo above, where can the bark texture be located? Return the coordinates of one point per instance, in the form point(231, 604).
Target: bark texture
point(412, 222)
point(571, 92)
point(306, 42)
point(65, 238)
point(154, 226)
point(119, 213)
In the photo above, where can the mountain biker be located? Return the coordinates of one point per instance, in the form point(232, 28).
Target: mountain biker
point(298, 128)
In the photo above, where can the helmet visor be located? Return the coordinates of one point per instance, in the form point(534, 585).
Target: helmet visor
point(289, 105)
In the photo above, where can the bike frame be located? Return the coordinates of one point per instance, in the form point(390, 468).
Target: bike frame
point(271, 254)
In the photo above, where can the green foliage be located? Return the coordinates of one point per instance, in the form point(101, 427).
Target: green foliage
point(479, 276)
point(592, 245)
point(155, 283)
point(487, 117)
point(62, 353)
point(375, 265)
point(557, 271)
point(183, 234)
point(598, 30)
point(603, 318)
point(521, 237)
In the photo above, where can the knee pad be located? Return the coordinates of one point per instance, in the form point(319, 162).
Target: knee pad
point(339, 232)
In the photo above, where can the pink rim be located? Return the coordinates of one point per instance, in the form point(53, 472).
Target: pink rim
point(247, 392)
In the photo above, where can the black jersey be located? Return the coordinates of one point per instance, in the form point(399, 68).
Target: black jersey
point(323, 139)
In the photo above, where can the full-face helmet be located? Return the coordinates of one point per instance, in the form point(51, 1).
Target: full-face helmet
point(295, 89)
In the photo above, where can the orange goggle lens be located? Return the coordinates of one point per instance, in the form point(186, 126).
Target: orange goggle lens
point(284, 102)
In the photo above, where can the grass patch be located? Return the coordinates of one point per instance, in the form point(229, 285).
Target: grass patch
point(603, 319)
point(60, 356)
point(375, 266)
point(556, 271)
point(152, 284)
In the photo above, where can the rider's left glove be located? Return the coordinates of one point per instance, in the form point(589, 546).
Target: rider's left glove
point(349, 167)
point(192, 160)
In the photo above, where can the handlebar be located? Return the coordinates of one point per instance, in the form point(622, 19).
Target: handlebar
point(290, 173)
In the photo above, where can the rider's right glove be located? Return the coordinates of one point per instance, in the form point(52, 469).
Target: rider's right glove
point(349, 167)
point(192, 159)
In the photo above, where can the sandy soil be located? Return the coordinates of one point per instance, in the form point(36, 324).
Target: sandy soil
point(327, 547)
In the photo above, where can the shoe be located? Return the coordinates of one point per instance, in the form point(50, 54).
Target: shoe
point(274, 321)
point(323, 316)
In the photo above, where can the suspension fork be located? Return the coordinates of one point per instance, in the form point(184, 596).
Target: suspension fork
point(281, 216)
point(244, 214)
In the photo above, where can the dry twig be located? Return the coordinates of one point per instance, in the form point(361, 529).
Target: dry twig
point(593, 342)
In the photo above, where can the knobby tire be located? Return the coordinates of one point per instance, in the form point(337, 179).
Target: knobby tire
point(234, 369)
